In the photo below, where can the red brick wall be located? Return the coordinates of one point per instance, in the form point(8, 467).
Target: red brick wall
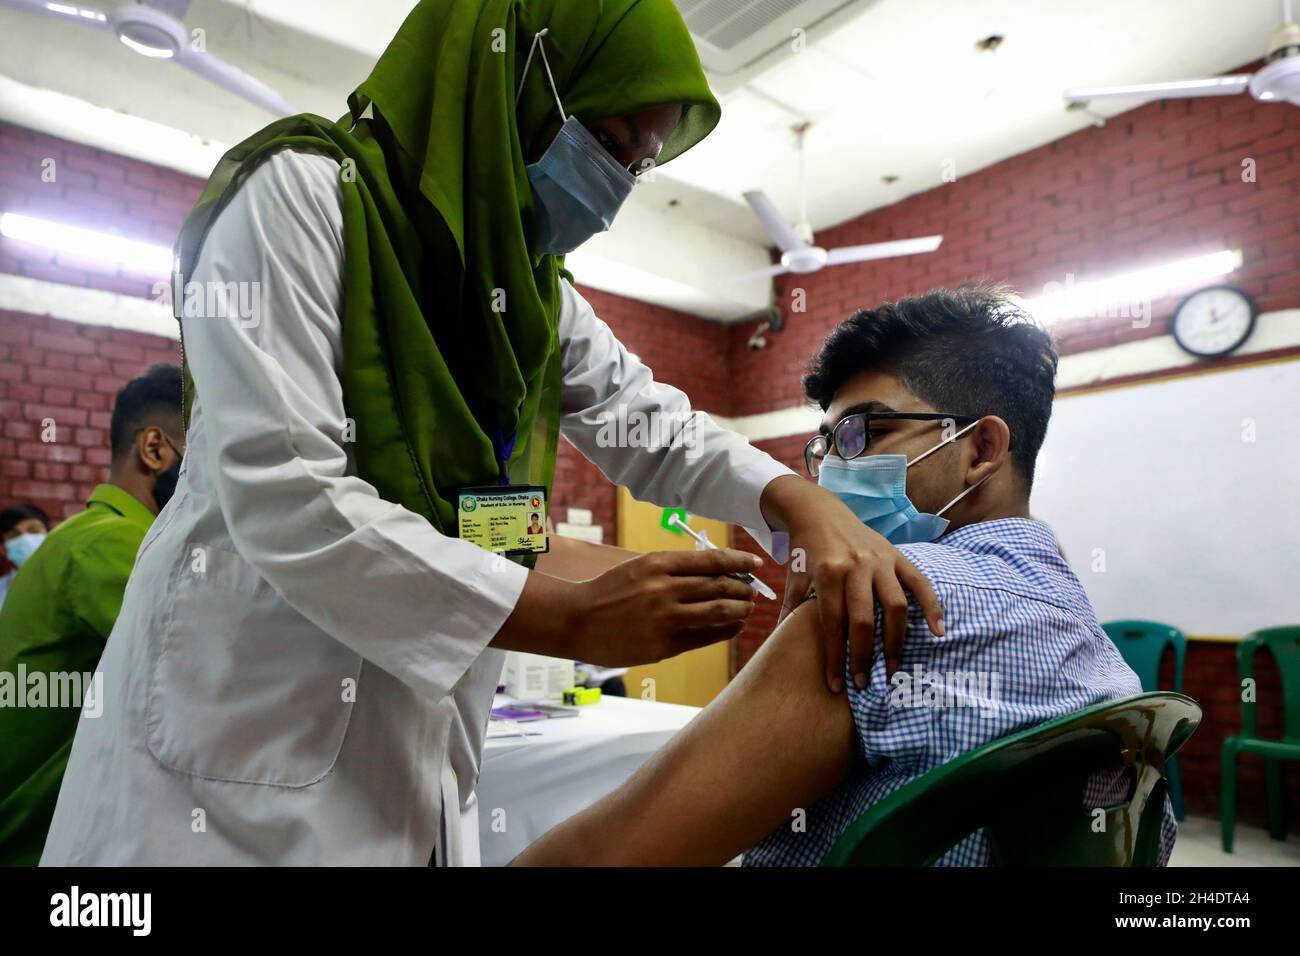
point(1157, 182)
point(67, 373)
point(91, 188)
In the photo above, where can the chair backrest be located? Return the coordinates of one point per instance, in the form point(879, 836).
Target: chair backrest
point(1026, 792)
point(1143, 643)
point(1284, 643)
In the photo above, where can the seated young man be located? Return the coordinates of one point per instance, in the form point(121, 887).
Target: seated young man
point(940, 402)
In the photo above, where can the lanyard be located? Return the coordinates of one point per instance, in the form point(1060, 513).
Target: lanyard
point(504, 449)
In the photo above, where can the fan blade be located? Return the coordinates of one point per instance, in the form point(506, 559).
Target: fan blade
point(769, 272)
point(882, 250)
point(1214, 86)
point(67, 12)
point(782, 232)
point(235, 80)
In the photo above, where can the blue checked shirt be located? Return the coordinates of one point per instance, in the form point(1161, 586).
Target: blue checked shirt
point(1023, 646)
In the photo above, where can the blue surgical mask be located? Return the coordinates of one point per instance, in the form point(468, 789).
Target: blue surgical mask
point(21, 548)
point(578, 187)
point(875, 489)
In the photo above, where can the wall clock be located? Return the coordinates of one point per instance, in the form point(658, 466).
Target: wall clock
point(1214, 321)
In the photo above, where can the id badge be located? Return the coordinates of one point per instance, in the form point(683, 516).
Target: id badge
point(505, 519)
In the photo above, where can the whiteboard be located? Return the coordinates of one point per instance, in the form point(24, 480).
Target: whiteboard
point(1179, 500)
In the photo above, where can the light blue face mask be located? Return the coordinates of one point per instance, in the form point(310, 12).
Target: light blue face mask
point(21, 548)
point(875, 489)
point(577, 185)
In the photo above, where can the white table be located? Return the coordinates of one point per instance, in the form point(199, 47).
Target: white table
point(529, 784)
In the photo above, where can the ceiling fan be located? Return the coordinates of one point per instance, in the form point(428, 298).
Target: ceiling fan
point(153, 28)
point(798, 254)
point(1278, 80)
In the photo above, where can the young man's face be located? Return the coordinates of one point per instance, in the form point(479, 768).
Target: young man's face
point(931, 483)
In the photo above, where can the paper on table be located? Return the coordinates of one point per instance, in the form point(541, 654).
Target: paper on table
point(508, 728)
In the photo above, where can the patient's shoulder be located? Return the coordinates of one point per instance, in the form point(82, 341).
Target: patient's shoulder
point(946, 566)
point(1018, 557)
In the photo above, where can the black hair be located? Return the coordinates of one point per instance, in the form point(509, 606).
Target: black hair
point(968, 351)
point(154, 393)
point(11, 516)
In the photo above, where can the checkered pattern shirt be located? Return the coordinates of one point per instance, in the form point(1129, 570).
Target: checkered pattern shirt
point(1023, 646)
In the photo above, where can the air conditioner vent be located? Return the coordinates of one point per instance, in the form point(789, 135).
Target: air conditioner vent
point(725, 23)
point(734, 35)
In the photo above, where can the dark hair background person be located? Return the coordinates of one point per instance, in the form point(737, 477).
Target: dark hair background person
point(61, 607)
point(959, 383)
point(22, 530)
point(17, 520)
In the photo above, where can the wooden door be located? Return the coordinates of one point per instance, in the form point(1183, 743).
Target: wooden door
point(695, 677)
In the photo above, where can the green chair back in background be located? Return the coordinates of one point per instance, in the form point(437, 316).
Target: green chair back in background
point(1026, 792)
point(1284, 644)
point(1143, 645)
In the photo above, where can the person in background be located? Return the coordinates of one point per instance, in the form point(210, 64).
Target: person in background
point(22, 529)
point(60, 610)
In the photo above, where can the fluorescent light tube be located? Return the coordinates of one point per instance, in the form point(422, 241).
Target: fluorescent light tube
point(130, 254)
point(1128, 292)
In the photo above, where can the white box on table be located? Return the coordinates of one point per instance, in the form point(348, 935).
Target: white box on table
point(536, 677)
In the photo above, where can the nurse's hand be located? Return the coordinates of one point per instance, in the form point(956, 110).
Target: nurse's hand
point(646, 609)
point(853, 569)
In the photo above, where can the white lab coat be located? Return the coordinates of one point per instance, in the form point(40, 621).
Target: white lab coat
point(300, 671)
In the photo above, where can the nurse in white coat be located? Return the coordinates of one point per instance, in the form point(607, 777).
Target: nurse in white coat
point(306, 654)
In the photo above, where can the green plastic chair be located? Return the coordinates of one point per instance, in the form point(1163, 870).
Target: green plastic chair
point(1026, 792)
point(1143, 645)
point(1284, 643)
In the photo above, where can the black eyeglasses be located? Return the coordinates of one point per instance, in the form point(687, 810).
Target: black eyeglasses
point(851, 436)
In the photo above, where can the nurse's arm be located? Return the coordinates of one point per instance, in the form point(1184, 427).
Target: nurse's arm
point(644, 435)
point(773, 742)
point(573, 560)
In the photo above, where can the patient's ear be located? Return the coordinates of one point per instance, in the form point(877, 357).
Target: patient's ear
point(990, 448)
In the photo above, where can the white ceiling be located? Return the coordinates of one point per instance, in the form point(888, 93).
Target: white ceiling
point(897, 87)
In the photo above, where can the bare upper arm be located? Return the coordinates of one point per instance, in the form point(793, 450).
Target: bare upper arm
point(773, 741)
point(573, 560)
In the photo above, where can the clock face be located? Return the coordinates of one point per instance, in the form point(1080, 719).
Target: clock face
point(1214, 321)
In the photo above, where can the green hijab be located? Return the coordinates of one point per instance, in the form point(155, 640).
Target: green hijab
point(450, 345)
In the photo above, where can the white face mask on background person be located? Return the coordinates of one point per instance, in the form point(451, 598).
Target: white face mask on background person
point(21, 548)
point(578, 186)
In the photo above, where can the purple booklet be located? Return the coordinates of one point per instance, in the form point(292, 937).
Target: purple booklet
point(518, 714)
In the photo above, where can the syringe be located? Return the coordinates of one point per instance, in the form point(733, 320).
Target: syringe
point(703, 539)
